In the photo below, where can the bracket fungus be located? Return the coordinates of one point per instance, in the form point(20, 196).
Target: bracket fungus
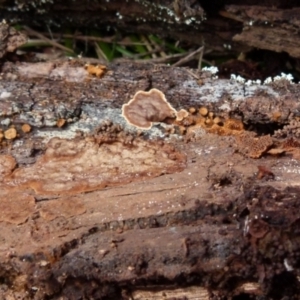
point(147, 107)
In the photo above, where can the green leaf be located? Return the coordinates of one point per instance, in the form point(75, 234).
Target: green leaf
point(139, 48)
point(124, 51)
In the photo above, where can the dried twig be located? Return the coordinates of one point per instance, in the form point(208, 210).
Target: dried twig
point(100, 53)
point(166, 59)
point(51, 42)
point(229, 15)
point(94, 38)
point(188, 57)
point(149, 46)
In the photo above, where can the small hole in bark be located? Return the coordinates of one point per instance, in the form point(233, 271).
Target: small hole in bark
point(226, 220)
point(245, 212)
point(263, 128)
point(284, 284)
point(242, 296)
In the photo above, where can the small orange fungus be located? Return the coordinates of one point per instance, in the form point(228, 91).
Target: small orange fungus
point(26, 128)
point(182, 114)
point(60, 123)
point(203, 111)
point(192, 110)
point(10, 133)
point(98, 70)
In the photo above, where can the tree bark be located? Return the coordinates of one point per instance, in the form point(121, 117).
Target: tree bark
point(93, 208)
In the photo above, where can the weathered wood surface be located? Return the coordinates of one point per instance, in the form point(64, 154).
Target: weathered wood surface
point(268, 28)
point(107, 213)
point(222, 26)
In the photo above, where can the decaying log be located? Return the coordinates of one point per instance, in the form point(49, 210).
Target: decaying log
point(202, 207)
point(268, 28)
point(222, 26)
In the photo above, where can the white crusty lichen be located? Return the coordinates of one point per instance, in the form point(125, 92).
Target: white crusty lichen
point(240, 79)
point(119, 15)
point(248, 83)
point(227, 46)
point(287, 265)
point(288, 77)
point(167, 14)
point(22, 5)
point(237, 78)
point(268, 80)
point(257, 81)
point(252, 82)
point(212, 69)
point(5, 94)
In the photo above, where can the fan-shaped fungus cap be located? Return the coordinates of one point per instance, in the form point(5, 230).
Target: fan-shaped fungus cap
point(147, 107)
